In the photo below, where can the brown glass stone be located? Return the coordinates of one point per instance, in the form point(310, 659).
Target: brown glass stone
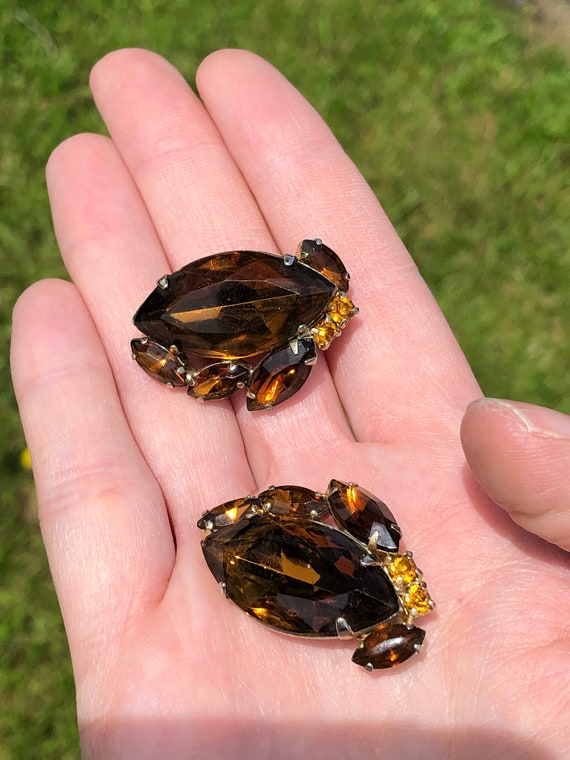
point(361, 514)
point(280, 375)
point(299, 576)
point(294, 500)
point(388, 645)
point(316, 254)
point(161, 363)
point(227, 513)
point(218, 380)
point(234, 305)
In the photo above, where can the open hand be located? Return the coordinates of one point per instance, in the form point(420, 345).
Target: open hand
point(164, 667)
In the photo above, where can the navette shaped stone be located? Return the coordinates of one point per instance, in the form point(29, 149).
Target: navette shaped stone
point(281, 374)
point(388, 645)
point(299, 576)
point(163, 364)
point(234, 305)
point(227, 513)
point(295, 501)
point(316, 254)
point(361, 514)
point(217, 380)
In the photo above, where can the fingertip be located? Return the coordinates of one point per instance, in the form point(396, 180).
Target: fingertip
point(520, 455)
point(35, 296)
point(120, 68)
point(219, 61)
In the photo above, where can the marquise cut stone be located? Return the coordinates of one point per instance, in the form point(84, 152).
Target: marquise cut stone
point(361, 514)
point(299, 576)
point(294, 500)
point(316, 254)
point(388, 645)
point(227, 513)
point(218, 380)
point(234, 305)
point(281, 374)
point(161, 363)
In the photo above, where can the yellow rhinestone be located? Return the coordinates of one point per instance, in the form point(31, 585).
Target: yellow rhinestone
point(341, 308)
point(323, 333)
point(403, 567)
point(418, 598)
point(337, 317)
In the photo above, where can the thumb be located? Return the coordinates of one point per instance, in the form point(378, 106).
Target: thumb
point(520, 454)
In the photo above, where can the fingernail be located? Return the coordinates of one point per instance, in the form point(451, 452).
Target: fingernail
point(536, 419)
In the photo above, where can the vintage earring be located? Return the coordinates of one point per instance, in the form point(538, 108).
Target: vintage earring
point(244, 319)
point(277, 560)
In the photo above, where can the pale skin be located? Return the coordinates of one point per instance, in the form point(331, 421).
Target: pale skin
point(164, 666)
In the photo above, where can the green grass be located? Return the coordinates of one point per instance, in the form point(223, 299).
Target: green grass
point(457, 119)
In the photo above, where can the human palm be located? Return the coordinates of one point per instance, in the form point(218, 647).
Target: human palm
point(164, 667)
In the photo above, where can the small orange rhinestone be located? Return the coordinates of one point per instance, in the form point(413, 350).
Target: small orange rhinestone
point(403, 567)
point(418, 598)
point(324, 332)
point(341, 309)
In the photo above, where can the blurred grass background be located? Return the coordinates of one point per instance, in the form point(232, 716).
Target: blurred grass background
point(457, 112)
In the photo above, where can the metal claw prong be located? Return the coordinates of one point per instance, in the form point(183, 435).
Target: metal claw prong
point(163, 282)
point(289, 259)
point(373, 541)
point(223, 588)
point(343, 630)
point(368, 560)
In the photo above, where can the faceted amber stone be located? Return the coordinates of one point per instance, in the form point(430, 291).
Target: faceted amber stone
point(388, 645)
point(341, 309)
point(217, 380)
point(280, 375)
point(227, 513)
point(324, 333)
point(321, 257)
point(161, 363)
point(362, 514)
point(418, 599)
point(234, 305)
point(299, 576)
point(294, 500)
point(402, 567)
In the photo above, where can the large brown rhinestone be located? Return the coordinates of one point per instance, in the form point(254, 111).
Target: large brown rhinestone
point(388, 645)
point(234, 305)
point(281, 374)
point(299, 577)
point(362, 514)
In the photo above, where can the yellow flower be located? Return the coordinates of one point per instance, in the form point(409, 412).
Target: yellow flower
point(25, 460)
